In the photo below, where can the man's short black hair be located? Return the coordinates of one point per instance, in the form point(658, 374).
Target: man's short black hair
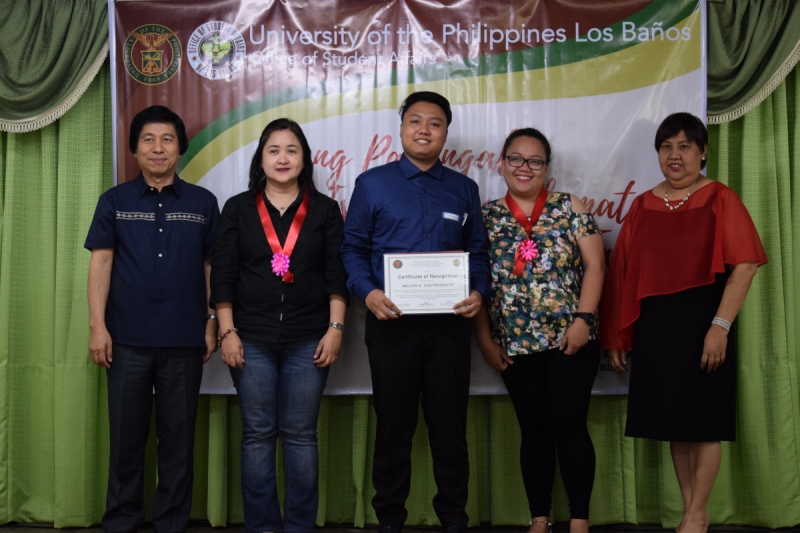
point(157, 114)
point(429, 97)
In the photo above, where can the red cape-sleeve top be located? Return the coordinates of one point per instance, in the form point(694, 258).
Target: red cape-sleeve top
point(659, 251)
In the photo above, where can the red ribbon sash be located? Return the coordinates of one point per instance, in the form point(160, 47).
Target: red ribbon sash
point(294, 229)
point(527, 225)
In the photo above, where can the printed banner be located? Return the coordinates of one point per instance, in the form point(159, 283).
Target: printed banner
point(596, 77)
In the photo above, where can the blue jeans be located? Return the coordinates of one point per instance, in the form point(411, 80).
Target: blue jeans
point(280, 391)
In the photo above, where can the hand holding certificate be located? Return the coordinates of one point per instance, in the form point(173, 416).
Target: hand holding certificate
point(426, 283)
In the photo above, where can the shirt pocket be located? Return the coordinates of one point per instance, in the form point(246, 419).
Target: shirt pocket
point(185, 232)
point(451, 231)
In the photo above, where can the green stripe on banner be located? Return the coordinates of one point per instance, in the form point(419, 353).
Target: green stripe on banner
point(669, 13)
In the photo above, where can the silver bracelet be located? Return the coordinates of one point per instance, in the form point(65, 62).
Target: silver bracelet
point(336, 325)
point(721, 322)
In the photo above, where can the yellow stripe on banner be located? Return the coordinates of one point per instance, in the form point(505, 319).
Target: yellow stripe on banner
point(301, 111)
point(645, 64)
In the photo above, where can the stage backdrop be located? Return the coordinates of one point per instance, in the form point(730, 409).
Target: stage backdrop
point(596, 78)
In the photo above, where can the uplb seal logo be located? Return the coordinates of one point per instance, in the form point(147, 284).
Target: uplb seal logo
point(216, 50)
point(152, 54)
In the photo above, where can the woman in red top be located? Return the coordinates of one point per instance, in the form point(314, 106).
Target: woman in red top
point(680, 271)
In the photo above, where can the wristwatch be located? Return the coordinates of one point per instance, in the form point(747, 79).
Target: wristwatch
point(589, 318)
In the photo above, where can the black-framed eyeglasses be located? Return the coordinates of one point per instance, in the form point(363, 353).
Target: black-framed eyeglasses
point(517, 161)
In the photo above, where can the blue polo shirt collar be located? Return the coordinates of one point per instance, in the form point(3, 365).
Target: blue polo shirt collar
point(142, 187)
point(410, 170)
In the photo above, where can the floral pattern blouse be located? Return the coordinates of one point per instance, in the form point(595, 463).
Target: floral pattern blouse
point(531, 312)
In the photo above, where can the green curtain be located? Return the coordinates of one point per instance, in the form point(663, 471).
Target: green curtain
point(53, 424)
point(49, 54)
point(752, 47)
point(53, 420)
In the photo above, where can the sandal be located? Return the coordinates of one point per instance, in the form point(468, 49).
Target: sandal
point(548, 524)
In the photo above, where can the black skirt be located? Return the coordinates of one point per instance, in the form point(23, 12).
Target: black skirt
point(670, 397)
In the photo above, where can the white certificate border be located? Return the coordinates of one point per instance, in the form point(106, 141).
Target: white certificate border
point(387, 261)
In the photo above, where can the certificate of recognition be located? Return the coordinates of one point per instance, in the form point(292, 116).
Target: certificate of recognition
point(426, 283)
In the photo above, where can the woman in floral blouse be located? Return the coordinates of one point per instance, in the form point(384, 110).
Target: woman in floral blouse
point(539, 328)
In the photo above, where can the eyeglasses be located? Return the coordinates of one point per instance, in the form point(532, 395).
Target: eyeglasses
point(517, 161)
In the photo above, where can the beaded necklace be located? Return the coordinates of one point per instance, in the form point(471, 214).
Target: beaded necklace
point(666, 196)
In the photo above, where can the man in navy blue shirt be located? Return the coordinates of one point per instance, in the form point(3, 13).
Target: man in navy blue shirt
point(151, 242)
point(417, 205)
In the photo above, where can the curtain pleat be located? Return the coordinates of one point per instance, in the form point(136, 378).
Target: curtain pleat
point(49, 54)
point(752, 47)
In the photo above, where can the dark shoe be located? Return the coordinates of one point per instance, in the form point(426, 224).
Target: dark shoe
point(389, 529)
point(455, 529)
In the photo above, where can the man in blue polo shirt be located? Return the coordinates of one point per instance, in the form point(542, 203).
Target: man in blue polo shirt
point(151, 242)
point(417, 205)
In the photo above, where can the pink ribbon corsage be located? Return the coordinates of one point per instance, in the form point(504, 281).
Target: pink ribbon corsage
point(280, 264)
point(528, 250)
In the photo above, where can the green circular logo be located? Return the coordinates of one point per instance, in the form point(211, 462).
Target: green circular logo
point(152, 54)
point(216, 50)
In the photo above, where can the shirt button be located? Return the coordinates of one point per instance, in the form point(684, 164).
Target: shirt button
point(427, 236)
point(159, 205)
point(424, 190)
point(427, 212)
point(159, 255)
point(152, 189)
point(160, 230)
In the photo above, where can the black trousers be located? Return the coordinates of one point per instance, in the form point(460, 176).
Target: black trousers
point(550, 392)
point(415, 356)
point(175, 373)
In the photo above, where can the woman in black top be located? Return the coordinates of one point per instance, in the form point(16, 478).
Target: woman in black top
point(279, 289)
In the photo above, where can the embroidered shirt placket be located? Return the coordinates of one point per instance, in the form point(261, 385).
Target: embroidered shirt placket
point(160, 236)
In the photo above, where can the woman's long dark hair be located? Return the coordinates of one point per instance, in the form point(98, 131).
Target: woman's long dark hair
point(257, 176)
